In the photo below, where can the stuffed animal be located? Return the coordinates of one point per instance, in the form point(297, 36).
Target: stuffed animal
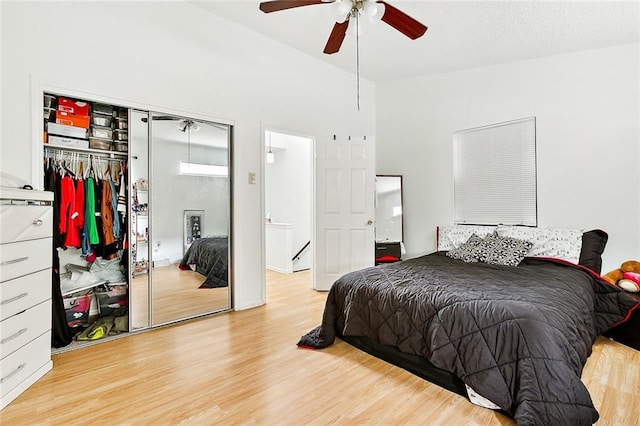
point(626, 277)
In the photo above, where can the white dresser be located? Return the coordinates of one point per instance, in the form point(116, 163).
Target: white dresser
point(26, 226)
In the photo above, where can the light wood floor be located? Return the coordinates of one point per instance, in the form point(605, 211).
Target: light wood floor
point(244, 368)
point(176, 295)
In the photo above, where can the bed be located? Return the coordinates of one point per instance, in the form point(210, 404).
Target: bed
point(208, 257)
point(516, 336)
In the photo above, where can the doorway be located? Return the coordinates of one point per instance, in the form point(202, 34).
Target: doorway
point(288, 189)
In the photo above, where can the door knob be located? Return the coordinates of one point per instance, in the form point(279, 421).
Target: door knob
point(369, 222)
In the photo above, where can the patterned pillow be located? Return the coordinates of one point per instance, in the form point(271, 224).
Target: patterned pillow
point(454, 236)
point(507, 251)
point(547, 242)
point(468, 251)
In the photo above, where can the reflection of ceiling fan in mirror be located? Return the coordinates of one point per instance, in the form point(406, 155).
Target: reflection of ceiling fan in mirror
point(348, 12)
point(185, 123)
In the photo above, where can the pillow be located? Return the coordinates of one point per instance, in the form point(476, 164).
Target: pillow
point(547, 242)
point(593, 244)
point(468, 251)
point(498, 250)
point(454, 236)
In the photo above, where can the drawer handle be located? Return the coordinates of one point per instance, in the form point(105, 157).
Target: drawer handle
point(10, 338)
point(38, 222)
point(13, 373)
point(18, 260)
point(13, 299)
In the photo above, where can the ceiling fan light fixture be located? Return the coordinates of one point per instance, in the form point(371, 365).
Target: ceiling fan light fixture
point(342, 10)
point(377, 16)
point(370, 8)
point(183, 125)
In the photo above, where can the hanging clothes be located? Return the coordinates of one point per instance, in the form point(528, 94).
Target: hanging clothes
point(114, 209)
point(67, 203)
point(122, 199)
point(60, 334)
point(90, 226)
point(78, 221)
point(107, 213)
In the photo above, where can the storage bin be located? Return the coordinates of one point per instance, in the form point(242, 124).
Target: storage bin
point(49, 101)
point(69, 119)
point(101, 120)
point(112, 300)
point(103, 109)
point(121, 123)
point(120, 135)
point(103, 144)
point(49, 114)
point(101, 132)
point(120, 146)
point(73, 107)
point(76, 308)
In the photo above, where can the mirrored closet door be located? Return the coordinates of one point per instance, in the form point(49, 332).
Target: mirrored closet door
point(190, 217)
point(181, 201)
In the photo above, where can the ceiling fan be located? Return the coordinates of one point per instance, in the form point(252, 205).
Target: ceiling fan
point(346, 10)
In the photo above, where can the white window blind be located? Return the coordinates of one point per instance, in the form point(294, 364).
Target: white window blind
point(495, 174)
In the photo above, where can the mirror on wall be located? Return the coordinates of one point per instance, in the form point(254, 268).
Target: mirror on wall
point(389, 215)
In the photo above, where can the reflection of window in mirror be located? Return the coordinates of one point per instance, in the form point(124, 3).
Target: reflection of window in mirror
point(389, 218)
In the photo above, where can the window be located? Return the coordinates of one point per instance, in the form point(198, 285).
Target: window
point(495, 174)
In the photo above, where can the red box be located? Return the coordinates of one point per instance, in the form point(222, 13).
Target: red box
point(74, 120)
point(73, 107)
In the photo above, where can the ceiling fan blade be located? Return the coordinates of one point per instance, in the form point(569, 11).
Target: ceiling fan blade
point(336, 37)
point(277, 5)
point(402, 22)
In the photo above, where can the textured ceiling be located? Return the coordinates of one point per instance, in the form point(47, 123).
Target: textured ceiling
point(462, 34)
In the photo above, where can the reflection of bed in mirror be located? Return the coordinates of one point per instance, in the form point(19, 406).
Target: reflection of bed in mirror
point(208, 257)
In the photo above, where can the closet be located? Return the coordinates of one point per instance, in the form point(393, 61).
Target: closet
point(121, 197)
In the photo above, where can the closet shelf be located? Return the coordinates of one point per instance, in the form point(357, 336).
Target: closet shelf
point(100, 152)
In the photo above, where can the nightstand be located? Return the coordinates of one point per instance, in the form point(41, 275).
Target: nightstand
point(387, 252)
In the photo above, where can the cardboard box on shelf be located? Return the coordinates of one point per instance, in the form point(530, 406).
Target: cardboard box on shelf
point(64, 130)
point(68, 119)
point(73, 107)
point(68, 142)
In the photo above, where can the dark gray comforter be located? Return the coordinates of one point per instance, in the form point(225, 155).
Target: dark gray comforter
point(211, 259)
point(518, 336)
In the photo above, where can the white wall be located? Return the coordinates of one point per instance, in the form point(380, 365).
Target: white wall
point(175, 193)
point(288, 190)
point(588, 139)
point(174, 56)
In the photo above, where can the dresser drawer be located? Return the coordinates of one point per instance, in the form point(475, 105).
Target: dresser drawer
point(18, 259)
point(21, 364)
point(20, 329)
point(22, 293)
point(28, 222)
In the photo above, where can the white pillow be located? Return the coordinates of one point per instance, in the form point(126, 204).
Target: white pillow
point(547, 242)
point(454, 236)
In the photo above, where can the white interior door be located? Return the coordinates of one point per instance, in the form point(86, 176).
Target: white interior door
point(344, 229)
